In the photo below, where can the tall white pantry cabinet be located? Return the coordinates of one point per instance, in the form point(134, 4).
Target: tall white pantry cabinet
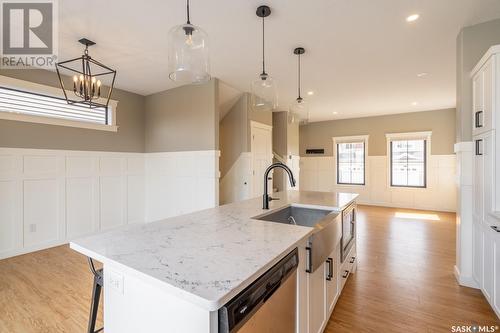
point(486, 176)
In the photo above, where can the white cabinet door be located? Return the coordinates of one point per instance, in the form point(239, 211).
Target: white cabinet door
point(488, 263)
point(488, 177)
point(477, 252)
point(496, 271)
point(478, 183)
point(317, 299)
point(477, 103)
point(488, 95)
point(332, 282)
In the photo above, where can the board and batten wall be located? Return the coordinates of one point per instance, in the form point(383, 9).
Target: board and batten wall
point(317, 173)
point(59, 183)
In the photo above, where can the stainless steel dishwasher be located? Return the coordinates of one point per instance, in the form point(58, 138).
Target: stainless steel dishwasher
point(268, 305)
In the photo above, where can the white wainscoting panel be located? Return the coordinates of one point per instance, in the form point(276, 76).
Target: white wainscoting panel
point(318, 174)
point(236, 183)
point(181, 182)
point(48, 197)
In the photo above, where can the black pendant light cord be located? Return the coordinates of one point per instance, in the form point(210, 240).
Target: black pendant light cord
point(187, 9)
point(299, 78)
point(263, 49)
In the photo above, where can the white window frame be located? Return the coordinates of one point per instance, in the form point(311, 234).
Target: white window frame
point(36, 88)
point(425, 135)
point(350, 139)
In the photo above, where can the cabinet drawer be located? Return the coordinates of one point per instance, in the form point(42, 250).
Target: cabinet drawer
point(346, 269)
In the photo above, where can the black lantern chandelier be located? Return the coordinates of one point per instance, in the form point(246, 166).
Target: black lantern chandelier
point(88, 75)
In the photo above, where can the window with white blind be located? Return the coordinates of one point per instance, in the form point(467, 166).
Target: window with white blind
point(16, 101)
point(350, 161)
point(407, 153)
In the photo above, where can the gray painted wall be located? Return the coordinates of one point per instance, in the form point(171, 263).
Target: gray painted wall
point(183, 119)
point(440, 122)
point(129, 118)
point(472, 43)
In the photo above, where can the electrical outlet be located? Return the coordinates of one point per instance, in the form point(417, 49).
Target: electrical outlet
point(114, 280)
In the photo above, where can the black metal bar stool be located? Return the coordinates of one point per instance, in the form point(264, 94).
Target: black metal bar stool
point(96, 295)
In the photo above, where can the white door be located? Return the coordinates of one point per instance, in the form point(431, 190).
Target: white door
point(317, 299)
point(477, 252)
point(262, 156)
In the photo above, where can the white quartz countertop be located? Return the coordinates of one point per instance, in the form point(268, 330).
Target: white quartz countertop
point(209, 256)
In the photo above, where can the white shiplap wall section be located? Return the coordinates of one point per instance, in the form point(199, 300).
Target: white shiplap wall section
point(318, 174)
point(48, 197)
point(236, 183)
point(181, 182)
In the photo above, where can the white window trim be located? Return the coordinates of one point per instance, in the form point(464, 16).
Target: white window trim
point(425, 135)
point(352, 138)
point(56, 92)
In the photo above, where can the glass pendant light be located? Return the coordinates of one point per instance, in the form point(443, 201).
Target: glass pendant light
point(299, 110)
point(264, 96)
point(188, 59)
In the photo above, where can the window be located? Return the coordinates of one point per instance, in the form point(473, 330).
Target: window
point(351, 163)
point(408, 162)
point(16, 101)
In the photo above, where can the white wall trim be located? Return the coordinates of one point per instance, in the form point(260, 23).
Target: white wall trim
point(56, 92)
point(409, 135)
point(351, 139)
point(256, 124)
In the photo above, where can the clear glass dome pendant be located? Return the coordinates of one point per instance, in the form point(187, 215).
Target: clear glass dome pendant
point(188, 58)
point(299, 109)
point(264, 94)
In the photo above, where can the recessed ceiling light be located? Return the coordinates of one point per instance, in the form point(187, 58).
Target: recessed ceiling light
point(335, 112)
point(422, 74)
point(310, 93)
point(412, 18)
point(414, 103)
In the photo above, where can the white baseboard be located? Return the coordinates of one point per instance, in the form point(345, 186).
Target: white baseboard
point(466, 281)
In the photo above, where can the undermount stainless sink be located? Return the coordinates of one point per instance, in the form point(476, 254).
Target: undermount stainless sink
point(327, 232)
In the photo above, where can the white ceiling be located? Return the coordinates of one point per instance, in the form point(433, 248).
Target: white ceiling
point(362, 57)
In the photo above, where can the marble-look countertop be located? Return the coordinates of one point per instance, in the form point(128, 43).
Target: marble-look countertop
point(209, 256)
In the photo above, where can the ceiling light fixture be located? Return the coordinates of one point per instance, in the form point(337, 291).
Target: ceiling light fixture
point(422, 74)
point(414, 103)
point(335, 112)
point(412, 18)
point(310, 93)
point(88, 76)
point(299, 110)
point(264, 96)
point(188, 58)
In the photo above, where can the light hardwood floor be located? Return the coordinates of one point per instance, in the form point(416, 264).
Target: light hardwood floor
point(404, 282)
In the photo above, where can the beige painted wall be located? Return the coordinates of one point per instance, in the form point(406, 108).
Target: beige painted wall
point(129, 118)
point(234, 131)
point(440, 122)
point(183, 119)
point(233, 134)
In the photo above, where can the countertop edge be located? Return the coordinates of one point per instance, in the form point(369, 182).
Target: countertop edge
point(209, 305)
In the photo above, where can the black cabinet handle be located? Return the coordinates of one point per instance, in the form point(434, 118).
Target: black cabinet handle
point(330, 269)
point(478, 147)
point(496, 228)
point(479, 123)
point(345, 275)
point(353, 259)
point(309, 260)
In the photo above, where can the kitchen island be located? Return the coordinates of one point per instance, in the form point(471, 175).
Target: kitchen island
point(173, 275)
